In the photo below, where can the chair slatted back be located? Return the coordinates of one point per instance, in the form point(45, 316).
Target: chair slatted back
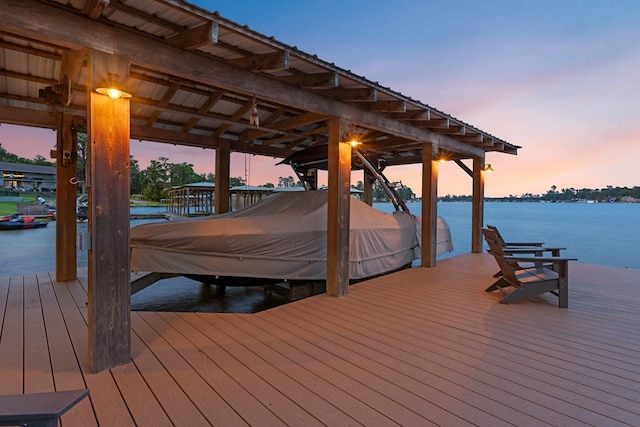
point(496, 250)
point(499, 238)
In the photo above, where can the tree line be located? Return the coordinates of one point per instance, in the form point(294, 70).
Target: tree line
point(601, 195)
point(161, 174)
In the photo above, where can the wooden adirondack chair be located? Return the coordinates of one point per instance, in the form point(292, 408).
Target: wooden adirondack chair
point(520, 248)
point(529, 282)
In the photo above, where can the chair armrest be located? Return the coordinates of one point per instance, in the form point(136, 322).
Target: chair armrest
point(553, 259)
point(524, 243)
point(532, 249)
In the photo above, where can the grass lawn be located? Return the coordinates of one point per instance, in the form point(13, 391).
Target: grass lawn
point(8, 208)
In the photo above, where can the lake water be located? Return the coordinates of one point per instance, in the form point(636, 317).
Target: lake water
point(595, 233)
point(598, 233)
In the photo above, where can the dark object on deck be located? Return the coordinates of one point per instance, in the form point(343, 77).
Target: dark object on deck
point(38, 409)
point(529, 282)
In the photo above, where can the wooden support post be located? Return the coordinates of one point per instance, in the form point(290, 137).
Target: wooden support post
point(223, 167)
point(338, 218)
point(368, 188)
point(429, 206)
point(477, 206)
point(66, 194)
point(108, 189)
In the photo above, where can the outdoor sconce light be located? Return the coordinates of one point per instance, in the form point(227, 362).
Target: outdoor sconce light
point(113, 93)
point(487, 169)
point(110, 89)
point(354, 143)
point(443, 156)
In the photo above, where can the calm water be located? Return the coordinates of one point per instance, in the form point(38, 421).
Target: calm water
point(595, 233)
point(605, 234)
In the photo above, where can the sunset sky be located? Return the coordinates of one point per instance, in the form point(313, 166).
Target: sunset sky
point(559, 78)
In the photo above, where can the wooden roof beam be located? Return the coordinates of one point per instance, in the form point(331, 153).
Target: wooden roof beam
point(235, 117)
point(30, 50)
point(269, 62)
point(351, 94)
point(29, 117)
point(312, 81)
point(388, 106)
point(144, 133)
point(414, 115)
point(300, 120)
point(196, 37)
point(213, 99)
point(28, 77)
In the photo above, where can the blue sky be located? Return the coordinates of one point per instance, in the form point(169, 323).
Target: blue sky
point(559, 78)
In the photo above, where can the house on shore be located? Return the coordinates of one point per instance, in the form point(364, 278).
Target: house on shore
point(26, 177)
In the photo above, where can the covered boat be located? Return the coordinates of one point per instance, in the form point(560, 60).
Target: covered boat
point(283, 237)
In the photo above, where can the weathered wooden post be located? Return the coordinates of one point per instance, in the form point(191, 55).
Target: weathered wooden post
point(108, 190)
point(429, 206)
point(223, 164)
point(66, 193)
point(477, 207)
point(339, 183)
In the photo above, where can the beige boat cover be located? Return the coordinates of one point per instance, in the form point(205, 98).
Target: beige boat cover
point(281, 237)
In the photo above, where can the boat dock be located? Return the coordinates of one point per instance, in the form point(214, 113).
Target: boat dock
point(422, 346)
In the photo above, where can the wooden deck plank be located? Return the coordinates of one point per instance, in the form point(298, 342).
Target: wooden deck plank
point(525, 353)
point(64, 362)
point(108, 404)
point(235, 357)
point(367, 407)
point(203, 394)
point(489, 384)
point(176, 386)
point(11, 340)
point(423, 346)
point(209, 359)
point(38, 377)
point(458, 343)
point(435, 392)
point(506, 333)
point(295, 380)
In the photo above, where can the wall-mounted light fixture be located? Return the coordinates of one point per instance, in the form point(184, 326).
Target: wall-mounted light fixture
point(443, 156)
point(487, 169)
point(111, 89)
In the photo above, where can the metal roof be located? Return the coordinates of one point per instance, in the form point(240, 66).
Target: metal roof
point(194, 76)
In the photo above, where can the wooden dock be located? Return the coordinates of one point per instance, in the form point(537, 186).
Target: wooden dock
point(418, 347)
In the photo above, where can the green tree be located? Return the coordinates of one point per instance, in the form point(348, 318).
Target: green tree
point(156, 178)
point(236, 181)
point(135, 177)
point(182, 173)
point(286, 181)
